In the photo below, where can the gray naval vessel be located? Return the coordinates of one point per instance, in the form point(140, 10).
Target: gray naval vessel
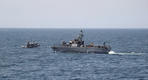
point(77, 46)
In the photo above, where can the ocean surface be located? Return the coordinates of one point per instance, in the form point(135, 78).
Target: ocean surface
point(127, 61)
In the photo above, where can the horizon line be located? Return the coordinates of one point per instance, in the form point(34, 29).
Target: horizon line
point(64, 28)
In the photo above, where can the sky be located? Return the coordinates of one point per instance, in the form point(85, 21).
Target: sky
point(73, 13)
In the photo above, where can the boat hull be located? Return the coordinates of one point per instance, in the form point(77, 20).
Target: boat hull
point(81, 49)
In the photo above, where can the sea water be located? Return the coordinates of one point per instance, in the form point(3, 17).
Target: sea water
point(128, 59)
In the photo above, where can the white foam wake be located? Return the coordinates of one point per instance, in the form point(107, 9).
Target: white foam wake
point(128, 53)
point(112, 52)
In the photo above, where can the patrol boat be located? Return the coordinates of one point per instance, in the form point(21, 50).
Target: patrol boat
point(77, 46)
point(31, 45)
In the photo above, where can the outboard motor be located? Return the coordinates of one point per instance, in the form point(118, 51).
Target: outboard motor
point(108, 47)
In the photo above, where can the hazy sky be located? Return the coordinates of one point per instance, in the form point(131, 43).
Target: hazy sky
point(74, 13)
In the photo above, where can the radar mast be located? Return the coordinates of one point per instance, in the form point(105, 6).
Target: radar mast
point(80, 36)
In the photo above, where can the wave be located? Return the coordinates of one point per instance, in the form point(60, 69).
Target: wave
point(125, 53)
